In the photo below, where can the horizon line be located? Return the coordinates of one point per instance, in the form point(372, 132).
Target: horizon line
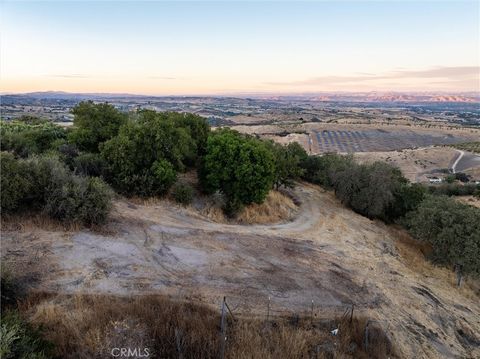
point(254, 93)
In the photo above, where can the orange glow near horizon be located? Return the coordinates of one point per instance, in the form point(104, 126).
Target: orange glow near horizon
point(188, 48)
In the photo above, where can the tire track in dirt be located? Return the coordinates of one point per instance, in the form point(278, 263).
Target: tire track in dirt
point(326, 253)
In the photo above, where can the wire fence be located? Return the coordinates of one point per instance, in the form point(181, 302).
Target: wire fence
point(337, 315)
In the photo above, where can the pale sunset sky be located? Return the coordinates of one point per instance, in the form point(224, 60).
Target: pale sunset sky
point(228, 47)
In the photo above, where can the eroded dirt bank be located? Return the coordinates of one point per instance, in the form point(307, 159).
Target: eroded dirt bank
point(328, 254)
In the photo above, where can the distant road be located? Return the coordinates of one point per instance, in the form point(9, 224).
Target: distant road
point(454, 166)
point(465, 161)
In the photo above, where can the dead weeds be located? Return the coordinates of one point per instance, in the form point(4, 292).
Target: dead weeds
point(89, 326)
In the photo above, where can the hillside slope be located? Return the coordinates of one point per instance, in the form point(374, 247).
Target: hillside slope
point(327, 254)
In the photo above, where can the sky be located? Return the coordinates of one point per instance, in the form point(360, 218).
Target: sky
point(233, 47)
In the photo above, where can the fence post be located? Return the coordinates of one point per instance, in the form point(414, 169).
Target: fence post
point(222, 331)
point(268, 308)
point(311, 315)
point(178, 342)
point(366, 336)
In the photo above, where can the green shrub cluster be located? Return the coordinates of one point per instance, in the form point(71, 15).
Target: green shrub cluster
point(19, 340)
point(322, 170)
point(32, 137)
point(453, 230)
point(46, 183)
point(183, 193)
point(95, 123)
point(376, 190)
point(287, 160)
point(89, 164)
point(455, 189)
point(239, 166)
point(379, 190)
point(144, 158)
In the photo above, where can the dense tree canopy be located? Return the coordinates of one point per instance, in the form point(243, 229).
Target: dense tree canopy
point(453, 230)
point(287, 163)
point(321, 170)
point(240, 166)
point(95, 123)
point(25, 138)
point(144, 157)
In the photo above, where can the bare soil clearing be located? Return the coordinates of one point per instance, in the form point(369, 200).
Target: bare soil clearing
point(327, 254)
point(416, 164)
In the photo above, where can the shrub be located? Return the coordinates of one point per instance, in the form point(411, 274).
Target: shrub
point(68, 152)
point(453, 230)
point(73, 198)
point(90, 164)
point(16, 183)
point(164, 175)
point(183, 193)
point(462, 177)
point(407, 197)
point(137, 158)
point(96, 202)
point(454, 189)
point(11, 290)
point(240, 166)
point(287, 163)
point(369, 189)
point(46, 183)
point(25, 139)
point(20, 340)
point(95, 124)
point(321, 170)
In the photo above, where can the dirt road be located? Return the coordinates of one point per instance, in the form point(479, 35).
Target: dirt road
point(327, 254)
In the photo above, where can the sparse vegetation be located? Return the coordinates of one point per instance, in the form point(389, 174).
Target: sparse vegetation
point(84, 326)
point(469, 146)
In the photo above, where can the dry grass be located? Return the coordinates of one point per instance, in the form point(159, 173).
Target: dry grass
point(414, 254)
point(470, 200)
point(278, 207)
point(33, 221)
point(89, 326)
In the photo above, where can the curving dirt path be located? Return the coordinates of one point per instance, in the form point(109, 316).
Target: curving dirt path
point(327, 254)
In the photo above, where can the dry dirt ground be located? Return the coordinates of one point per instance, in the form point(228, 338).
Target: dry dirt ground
point(416, 164)
point(327, 254)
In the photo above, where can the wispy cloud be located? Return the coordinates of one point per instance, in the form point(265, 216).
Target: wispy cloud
point(454, 73)
point(161, 78)
point(70, 76)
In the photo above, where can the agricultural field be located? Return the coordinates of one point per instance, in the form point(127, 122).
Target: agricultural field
point(376, 140)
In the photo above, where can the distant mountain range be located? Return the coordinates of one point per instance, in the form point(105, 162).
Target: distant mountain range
point(470, 97)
